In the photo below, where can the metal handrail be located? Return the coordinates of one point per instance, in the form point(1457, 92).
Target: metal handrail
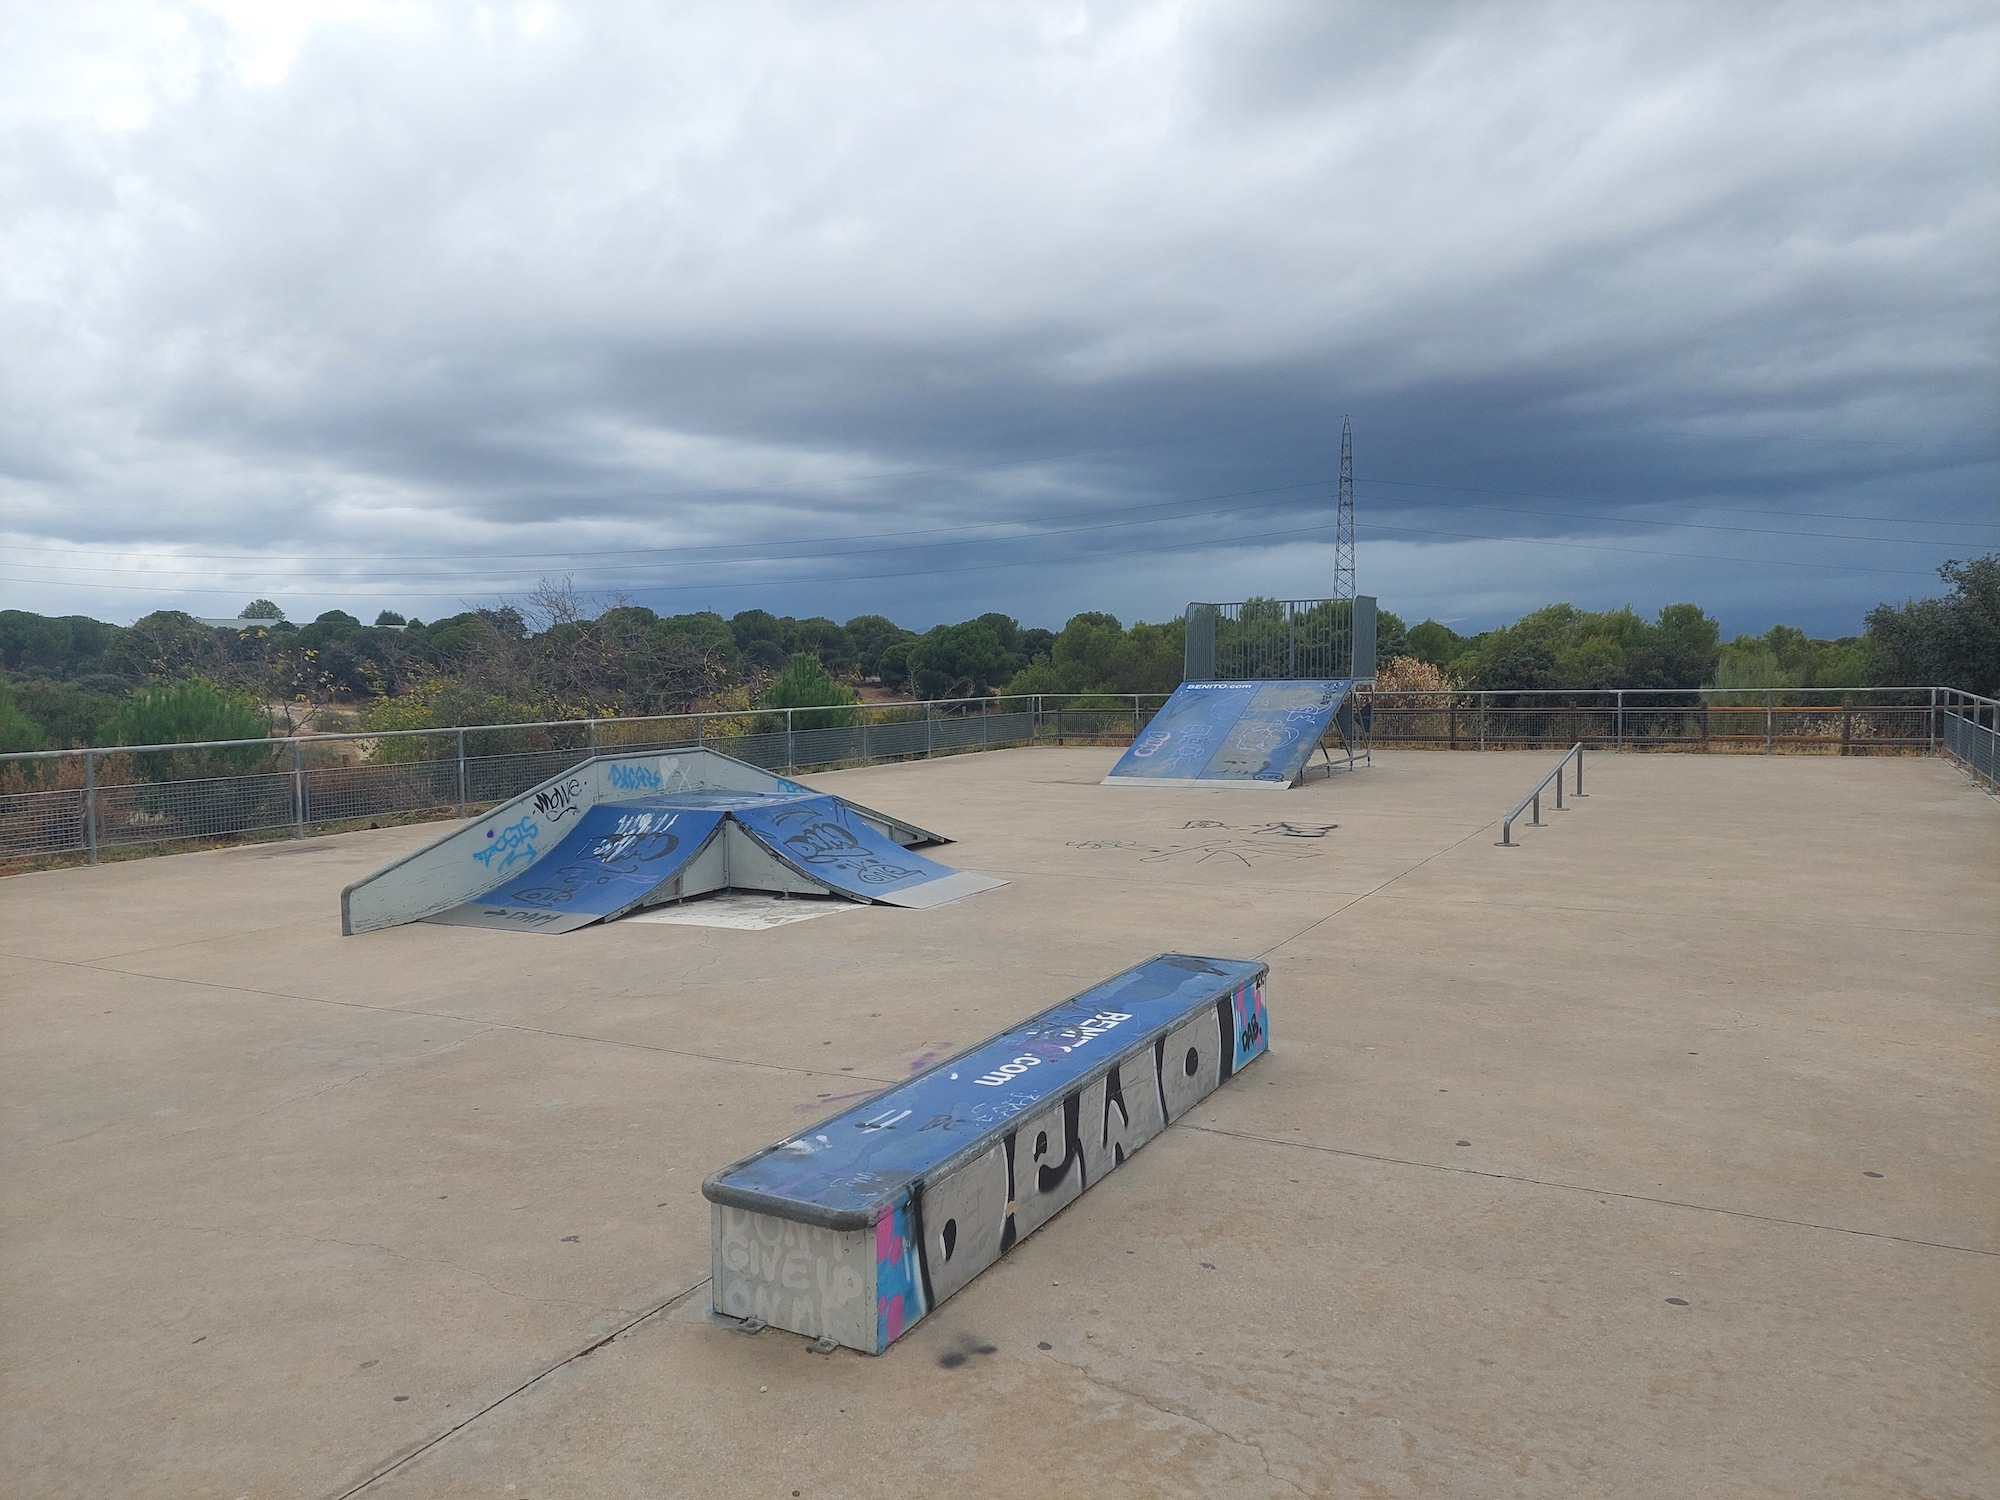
point(1534, 798)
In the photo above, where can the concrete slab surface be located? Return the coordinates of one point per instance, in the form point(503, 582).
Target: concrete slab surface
point(1653, 1157)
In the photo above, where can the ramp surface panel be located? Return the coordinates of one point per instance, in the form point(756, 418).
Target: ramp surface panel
point(823, 838)
point(617, 854)
point(1258, 733)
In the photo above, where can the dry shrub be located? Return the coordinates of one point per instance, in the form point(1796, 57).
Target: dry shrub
point(1406, 674)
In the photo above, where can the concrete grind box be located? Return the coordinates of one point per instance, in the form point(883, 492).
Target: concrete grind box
point(855, 1229)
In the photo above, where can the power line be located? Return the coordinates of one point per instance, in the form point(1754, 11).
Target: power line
point(1088, 557)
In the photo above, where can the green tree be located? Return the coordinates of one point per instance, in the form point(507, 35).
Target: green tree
point(18, 731)
point(1434, 643)
point(824, 639)
point(871, 635)
point(183, 713)
point(170, 644)
point(1093, 653)
point(71, 714)
point(1392, 636)
point(806, 684)
point(260, 609)
point(62, 646)
point(1949, 642)
point(958, 661)
point(894, 667)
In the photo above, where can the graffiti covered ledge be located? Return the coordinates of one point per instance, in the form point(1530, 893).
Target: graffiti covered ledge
point(856, 1228)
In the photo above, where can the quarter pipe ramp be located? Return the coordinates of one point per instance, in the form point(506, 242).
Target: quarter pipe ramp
point(1233, 733)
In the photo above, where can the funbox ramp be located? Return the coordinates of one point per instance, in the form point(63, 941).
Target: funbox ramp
point(852, 1230)
point(1232, 733)
point(624, 831)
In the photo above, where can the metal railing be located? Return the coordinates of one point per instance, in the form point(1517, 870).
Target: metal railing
point(84, 802)
point(1261, 640)
point(68, 802)
point(1969, 733)
point(1534, 798)
point(1827, 721)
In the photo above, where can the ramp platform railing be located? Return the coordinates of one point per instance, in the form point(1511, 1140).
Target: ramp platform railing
point(1275, 640)
point(1534, 798)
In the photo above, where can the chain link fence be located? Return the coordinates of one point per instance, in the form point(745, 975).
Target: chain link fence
point(86, 802)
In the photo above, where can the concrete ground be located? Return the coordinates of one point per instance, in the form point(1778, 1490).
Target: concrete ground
point(1652, 1158)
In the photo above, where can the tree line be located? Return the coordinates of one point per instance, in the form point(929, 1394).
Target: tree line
point(74, 681)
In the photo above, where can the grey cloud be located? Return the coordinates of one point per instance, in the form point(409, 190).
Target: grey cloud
point(647, 279)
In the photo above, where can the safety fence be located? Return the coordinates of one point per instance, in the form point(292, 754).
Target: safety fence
point(1969, 733)
point(1847, 721)
point(86, 802)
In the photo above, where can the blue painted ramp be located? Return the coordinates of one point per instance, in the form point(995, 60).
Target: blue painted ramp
point(1245, 733)
point(822, 838)
point(617, 854)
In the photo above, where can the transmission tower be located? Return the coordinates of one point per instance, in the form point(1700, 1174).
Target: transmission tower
point(1343, 531)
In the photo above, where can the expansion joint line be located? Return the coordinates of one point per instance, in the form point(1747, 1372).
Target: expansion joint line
point(1577, 1187)
point(563, 1363)
point(1378, 889)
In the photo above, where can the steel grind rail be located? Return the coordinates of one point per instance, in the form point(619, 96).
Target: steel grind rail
point(1534, 798)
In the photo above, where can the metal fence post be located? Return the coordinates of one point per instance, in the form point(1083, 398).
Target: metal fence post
point(461, 773)
point(1482, 721)
point(790, 749)
point(1136, 725)
point(593, 738)
point(699, 722)
point(90, 803)
point(1767, 721)
point(298, 791)
point(1933, 724)
point(1621, 718)
point(929, 738)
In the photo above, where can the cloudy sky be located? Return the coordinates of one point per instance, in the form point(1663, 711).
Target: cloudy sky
point(930, 309)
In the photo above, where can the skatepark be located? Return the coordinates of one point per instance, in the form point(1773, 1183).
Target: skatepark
point(1651, 1157)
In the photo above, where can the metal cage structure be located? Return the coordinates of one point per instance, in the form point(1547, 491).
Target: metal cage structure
point(1278, 640)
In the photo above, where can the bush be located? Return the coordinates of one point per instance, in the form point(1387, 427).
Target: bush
point(184, 712)
point(17, 730)
point(808, 684)
point(1949, 642)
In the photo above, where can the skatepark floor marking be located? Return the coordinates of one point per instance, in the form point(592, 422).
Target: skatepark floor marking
point(750, 911)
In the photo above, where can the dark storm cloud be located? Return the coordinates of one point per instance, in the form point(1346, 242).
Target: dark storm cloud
point(1037, 308)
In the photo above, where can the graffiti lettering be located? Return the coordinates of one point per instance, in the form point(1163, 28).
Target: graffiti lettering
point(637, 840)
point(1243, 853)
point(929, 1244)
point(511, 846)
point(558, 802)
point(633, 778)
point(817, 841)
point(522, 918)
point(1061, 1040)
